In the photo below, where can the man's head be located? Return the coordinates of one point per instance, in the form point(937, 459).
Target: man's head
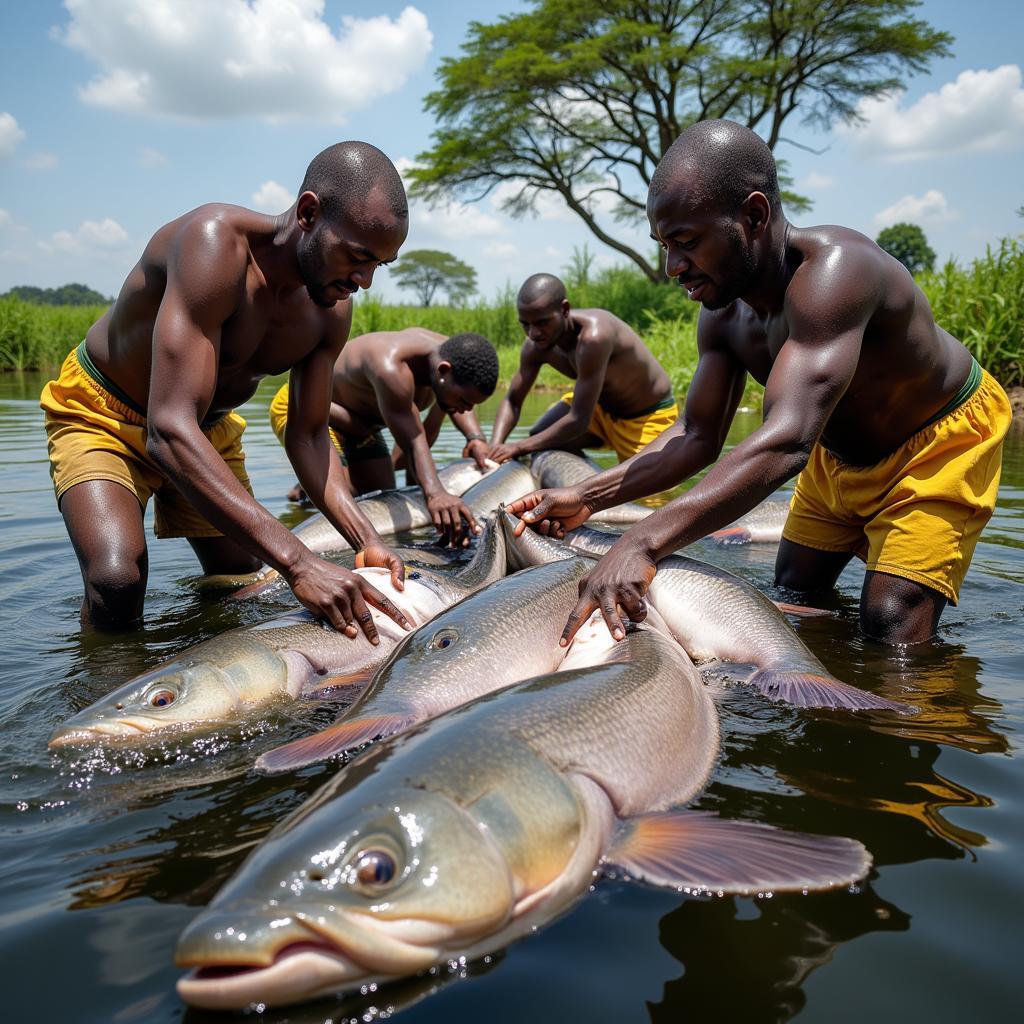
point(465, 372)
point(353, 216)
point(712, 198)
point(543, 309)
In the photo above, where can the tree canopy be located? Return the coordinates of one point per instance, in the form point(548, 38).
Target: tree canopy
point(65, 295)
point(579, 99)
point(426, 271)
point(907, 243)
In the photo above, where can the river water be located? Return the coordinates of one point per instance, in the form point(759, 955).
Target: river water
point(103, 860)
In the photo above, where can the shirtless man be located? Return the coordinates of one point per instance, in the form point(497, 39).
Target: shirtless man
point(622, 398)
point(388, 378)
point(895, 430)
point(221, 298)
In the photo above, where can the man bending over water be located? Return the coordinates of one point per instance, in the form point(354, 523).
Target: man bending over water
point(622, 398)
point(388, 378)
point(221, 298)
point(895, 430)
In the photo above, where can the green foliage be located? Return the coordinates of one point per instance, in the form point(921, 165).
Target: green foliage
point(427, 271)
point(578, 100)
point(34, 337)
point(65, 295)
point(907, 243)
point(983, 306)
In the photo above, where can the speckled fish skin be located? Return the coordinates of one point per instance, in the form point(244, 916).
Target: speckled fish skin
point(222, 680)
point(554, 468)
point(496, 814)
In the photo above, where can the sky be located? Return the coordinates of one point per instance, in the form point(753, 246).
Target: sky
point(117, 116)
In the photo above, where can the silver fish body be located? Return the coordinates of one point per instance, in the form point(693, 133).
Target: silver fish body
point(554, 468)
point(483, 825)
point(761, 525)
point(221, 680)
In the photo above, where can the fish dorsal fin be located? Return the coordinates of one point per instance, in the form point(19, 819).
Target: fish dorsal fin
point(344, 736)
point(698, 851)
point(802, 611)
point(815, 690)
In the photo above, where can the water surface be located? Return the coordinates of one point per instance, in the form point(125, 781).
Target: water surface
point(104, 860)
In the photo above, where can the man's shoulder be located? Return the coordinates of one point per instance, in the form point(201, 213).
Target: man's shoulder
point(833, 261)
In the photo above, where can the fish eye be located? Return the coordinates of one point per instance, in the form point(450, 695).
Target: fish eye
point(375, 867)
point(119, 707)
point(162, 698)
point(443, 638)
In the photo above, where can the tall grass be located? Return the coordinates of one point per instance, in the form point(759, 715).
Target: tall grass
point(982, 304)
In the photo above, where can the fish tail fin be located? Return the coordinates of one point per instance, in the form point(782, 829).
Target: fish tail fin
point(731, 535)
point(802, 611)
point(698, 851)
point(271, 581)
point(340, 738)
point(817, 690)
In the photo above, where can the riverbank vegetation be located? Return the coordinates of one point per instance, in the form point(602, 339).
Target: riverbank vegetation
point(982, 304)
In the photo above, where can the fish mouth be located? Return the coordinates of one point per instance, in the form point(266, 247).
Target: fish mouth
point(72, 735)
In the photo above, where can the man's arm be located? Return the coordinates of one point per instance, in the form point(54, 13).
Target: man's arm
point(206, 280)
point(511, 406)
point(395, 390)
point(675, 455)
point(827, 308)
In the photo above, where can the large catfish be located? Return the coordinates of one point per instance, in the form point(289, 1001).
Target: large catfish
point(221, 681)
point(487, 823)
point(554, 468)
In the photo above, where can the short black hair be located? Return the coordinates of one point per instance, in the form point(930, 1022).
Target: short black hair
point(538, 288)
point(718, 163)
point(343, 176)
point(474, 361)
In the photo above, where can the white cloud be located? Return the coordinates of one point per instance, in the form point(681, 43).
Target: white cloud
point(91, 234)
point(815, 181)
point(272, 197)
point(272, 59)
point(452, 221)
point(41, 161)
point(5, 218)
point(980, 111)
point(553, 251)
point(500, 250)
point(149, 157)
point(10, 135)
point(931, 208)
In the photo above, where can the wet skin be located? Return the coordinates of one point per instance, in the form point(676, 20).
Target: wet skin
point(610, 364)
point(849, 354)
point(388, 378)
point(220, 298)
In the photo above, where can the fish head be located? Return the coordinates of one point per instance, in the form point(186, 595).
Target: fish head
point(178, 695)
point(356, 890)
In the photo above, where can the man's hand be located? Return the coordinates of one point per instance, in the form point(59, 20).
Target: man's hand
point(503, 452)
point(477, 451)
point(384, 558)
point(553, 512)
point(340, 596)
point(617, 584)
point(447, 511)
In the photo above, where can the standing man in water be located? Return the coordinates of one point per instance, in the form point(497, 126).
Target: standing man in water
point(895, 430)
point(622, 398)
point(221, 298)
point(387, 378)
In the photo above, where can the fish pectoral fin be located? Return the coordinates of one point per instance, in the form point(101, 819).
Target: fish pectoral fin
point(339, 680)
point(339, 738)
point(698, 851)
point(731, 535)
point(271, 581)
point(816, 690)
point(802, 611)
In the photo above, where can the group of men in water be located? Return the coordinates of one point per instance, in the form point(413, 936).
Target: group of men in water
point(892, 429)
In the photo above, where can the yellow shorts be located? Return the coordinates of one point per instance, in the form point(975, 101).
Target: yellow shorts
point(627, 437)
point(92, 435)
point(917, 513)
point(351, 449)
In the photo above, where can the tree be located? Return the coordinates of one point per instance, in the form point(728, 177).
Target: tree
point(426, 271)
point(907, 243)
point(579, 99)
point(65, 295)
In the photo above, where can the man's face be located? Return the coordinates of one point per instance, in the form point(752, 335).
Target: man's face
point(543, 323)
point(706, 252)
point(453, 397)
point(337, 259)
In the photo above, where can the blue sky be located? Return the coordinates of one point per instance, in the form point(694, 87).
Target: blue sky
point(93, 159)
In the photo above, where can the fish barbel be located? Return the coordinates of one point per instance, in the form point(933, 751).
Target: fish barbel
point(221, 680)
point(487, 823)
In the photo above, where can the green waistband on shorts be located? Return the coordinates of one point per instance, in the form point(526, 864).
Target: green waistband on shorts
point(85, 361)
point(967, 389)
point(666, 403)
